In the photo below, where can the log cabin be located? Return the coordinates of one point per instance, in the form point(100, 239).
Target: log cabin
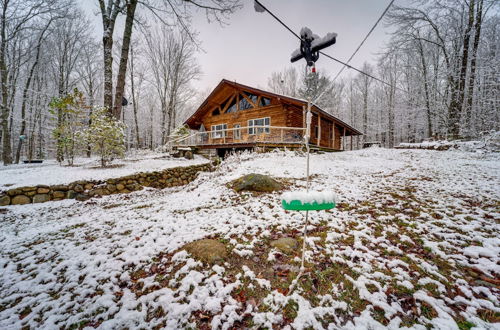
point(236, 117)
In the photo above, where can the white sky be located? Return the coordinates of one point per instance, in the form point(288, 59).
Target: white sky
point(253, 45)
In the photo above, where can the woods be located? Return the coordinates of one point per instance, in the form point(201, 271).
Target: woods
point(441, 73)
point(47, 50)
point(440, 68)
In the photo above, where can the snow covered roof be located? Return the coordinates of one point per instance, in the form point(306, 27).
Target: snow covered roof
point(194, 121)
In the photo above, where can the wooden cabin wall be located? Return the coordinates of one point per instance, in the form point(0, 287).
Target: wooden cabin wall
point(338, 136)
point(280, 114)
point(276, 114)
point(326, 126)
point(294, 116)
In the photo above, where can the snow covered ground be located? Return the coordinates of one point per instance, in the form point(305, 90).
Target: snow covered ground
point(414, 242)
point(50, 172)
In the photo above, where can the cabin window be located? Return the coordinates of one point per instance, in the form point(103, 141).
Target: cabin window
point(316, 131)
point(264, 101)
point(244, 104)
point(218, 131)
point(237, 132)
point(216, 112)
point(223, 104)
point(252, 97)
point(233, 105)
point(258, 126)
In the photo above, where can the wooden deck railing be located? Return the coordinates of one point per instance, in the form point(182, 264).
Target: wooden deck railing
point(242, 135)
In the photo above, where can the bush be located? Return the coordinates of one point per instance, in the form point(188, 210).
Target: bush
point(106, 135)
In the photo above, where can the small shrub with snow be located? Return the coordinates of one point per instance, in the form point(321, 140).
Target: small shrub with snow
point(69, 113)
point(106, 136)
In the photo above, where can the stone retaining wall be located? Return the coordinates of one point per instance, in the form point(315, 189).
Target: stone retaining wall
point(83, 190)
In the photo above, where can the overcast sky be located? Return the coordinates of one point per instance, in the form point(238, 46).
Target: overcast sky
point(253, 45)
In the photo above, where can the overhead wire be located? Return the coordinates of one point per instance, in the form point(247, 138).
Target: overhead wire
point(326, 55)
point(366, 37)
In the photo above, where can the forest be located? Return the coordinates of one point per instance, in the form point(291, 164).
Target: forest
point(437, 77)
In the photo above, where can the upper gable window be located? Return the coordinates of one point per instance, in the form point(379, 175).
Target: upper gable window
point(232, 106)
point(264, 101)
point(252, 97)
point(244, 104)
point(223, 104)
point(216, 112)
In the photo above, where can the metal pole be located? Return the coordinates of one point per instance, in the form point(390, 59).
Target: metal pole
point(308, 132)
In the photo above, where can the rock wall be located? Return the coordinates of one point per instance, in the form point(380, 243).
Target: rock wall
point(83, 190)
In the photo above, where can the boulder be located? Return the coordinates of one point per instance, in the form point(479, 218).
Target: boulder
point(78, 188)
point(14, 192)
point(28, 189)
point(71, 194)
point(82, 197)
point(207, 250)
point(285, 244)
point(60, 187)
point(111, 187)
point(20, 199)
point(99, 192)
point(4, 200)
point(256, 182)
point(41, 198)
point(89, 186)
point(58, 194)
point(43, 190)
point(120, 186)
point(188, 155)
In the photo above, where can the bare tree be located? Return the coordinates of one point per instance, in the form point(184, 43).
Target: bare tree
point(168, 12)
point(173, 67)
point(285, 82)
point(27, 86)
point(16, 17)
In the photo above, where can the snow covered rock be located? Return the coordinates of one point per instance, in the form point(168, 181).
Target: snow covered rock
point(256, 182)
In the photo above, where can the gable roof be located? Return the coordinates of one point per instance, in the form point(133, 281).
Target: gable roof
point(195, 120)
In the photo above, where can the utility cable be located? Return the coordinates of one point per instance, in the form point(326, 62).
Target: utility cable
point(328, 56)
point(366, 37)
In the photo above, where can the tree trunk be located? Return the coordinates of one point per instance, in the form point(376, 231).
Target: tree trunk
point(91, 104)
point(134, 101)
point(472, 76)
point(464, 62)
point(6, 147)
point(108, 15)
point(426, 88)
point(122, 70)
point(107, 42)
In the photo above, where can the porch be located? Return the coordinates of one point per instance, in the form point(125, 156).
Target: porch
point(251, 136)
point(243, 137)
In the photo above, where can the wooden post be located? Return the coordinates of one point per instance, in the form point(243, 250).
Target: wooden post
point(343, 140)
point(351, 142)
point(304, 111)
point(333, 135)
point(319, 130)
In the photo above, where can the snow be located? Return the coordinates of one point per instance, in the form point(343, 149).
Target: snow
point(309, 197)
point(411, 227)
point(51, 173)
point(328, 38)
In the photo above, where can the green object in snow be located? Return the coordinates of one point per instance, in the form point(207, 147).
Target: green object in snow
point(308, 200)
